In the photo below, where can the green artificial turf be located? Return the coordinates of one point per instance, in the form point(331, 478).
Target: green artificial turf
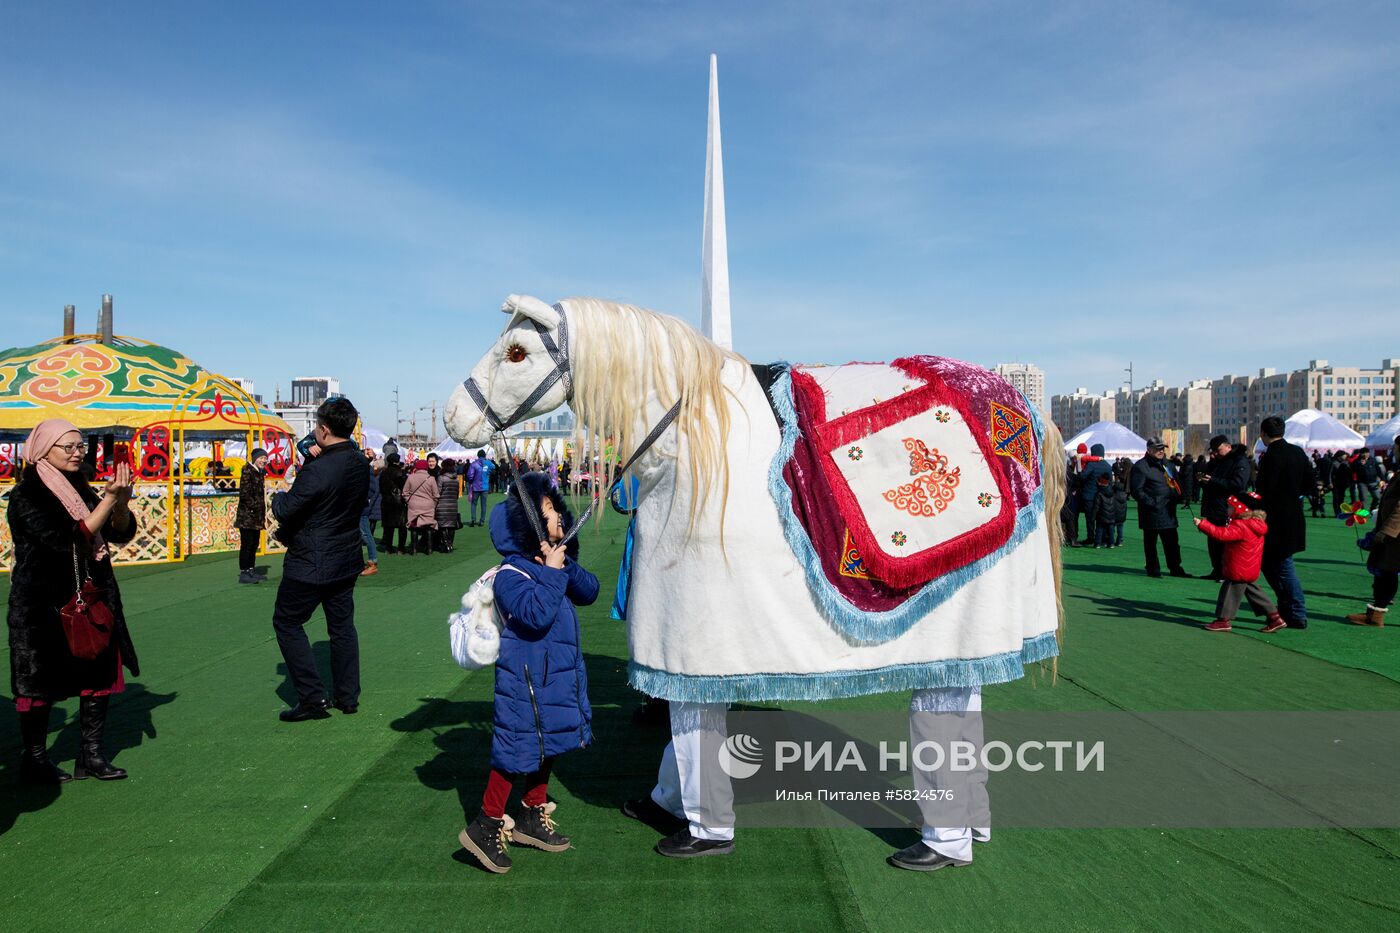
point(232, 820)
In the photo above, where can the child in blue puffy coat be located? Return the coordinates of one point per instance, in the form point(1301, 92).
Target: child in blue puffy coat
point(541, 698)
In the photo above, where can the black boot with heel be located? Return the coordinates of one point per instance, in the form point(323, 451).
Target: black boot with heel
point(92, 760)
point(34, 765)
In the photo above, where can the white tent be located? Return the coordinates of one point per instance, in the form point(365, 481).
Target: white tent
point(1315, 430)
point(373, 437)
point(1384, 436)
point(1117, 440)
point(450, 448)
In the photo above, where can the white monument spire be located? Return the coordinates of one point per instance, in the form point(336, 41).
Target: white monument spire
point(714, 250)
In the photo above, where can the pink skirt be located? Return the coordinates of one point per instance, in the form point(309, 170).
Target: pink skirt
point(25, 704)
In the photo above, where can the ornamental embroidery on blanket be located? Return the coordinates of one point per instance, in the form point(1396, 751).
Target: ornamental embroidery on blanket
point(855, 453)
point(898, 539)
point(934, 490)
point(851, 563)
point(942, 416)
point(984, 499)
point(1011, 435)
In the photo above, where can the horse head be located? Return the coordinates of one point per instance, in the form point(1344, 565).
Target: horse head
point(524, 374)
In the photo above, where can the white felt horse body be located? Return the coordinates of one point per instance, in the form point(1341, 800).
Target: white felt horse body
point(724, 603)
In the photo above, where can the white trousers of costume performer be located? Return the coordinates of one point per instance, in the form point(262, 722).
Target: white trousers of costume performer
point(707, 806)
point(955, 842)
point(696, 726)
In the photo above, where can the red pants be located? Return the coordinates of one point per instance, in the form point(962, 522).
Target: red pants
point(499, 784)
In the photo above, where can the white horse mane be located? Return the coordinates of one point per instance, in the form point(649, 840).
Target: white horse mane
point(622, 356)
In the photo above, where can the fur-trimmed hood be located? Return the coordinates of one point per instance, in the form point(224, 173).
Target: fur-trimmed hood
point(511, 532)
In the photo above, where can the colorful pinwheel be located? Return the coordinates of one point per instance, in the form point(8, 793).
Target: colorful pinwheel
point(1355, 514)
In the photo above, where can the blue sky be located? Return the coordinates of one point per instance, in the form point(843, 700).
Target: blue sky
point(278, 189)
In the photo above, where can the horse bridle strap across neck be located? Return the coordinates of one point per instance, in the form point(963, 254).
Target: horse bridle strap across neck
point(558, 352)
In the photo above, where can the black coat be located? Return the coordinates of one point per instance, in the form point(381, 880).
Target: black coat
point(252, 507)
point(45, 536)
point(392, 506)
point(1229, 476)
point(319, 517)
point(446, 512)
point(1111, 504)
point(1285, 475)
point(1155, 497)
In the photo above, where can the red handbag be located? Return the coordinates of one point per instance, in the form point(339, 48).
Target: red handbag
point(87, 619)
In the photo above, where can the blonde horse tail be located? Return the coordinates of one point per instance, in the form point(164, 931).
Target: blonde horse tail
point(1054, 483)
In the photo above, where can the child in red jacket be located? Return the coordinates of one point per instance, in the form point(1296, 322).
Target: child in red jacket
point(1244, 552)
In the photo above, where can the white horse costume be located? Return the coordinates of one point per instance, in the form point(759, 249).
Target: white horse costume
point(841, 531)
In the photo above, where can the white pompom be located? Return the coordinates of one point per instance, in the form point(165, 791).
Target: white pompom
point(468, 602)
point(487, 596)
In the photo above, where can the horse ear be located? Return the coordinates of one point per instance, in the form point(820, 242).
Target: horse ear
point(532, 308)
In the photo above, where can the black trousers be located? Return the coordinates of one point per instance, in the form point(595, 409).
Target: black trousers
point(1171, 549)
point(296, 601)
point(247, 548)
point(389, 537)
point(1217, 557)
point(1383, 588)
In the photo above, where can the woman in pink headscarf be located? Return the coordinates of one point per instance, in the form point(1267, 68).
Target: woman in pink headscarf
point(57, 520)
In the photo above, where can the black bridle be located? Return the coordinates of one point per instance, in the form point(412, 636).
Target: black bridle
point(559, 353)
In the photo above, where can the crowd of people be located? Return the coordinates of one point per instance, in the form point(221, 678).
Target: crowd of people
point(1251, 512)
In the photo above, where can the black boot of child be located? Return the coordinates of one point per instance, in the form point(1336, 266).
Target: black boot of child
point(485, 838)
point(536, 828)
point(92, 760)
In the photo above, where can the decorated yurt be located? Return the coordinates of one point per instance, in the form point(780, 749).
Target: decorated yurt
point(155, 408)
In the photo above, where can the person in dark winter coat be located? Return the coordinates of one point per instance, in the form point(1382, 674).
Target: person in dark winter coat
point(1341, 481)
point(1366, 478)
point(393, 506)
point(1285, 477)
point(251, 517)
point(1244, 551)
point(448, 514)
point(1155, 489)
point(1110, 512)
point(541, 695)
point(319, 521)
point(1384, 559)
point(62, 532)
point(1226, 476)
point(1094, 467)
point(1069, 510)
point(371, 515)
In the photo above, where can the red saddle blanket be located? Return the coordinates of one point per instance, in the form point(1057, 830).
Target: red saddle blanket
point(907, 471)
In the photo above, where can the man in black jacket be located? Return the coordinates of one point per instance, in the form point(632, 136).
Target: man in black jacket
point(1227, 475)
point(319, 521)
point(1367, 473)
point(1285, 476)
point(1153, 484)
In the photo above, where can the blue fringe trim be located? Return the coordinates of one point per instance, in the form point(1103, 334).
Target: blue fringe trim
point(957, 672)
point(858, 625)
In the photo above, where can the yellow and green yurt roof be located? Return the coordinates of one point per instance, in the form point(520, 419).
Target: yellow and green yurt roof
point(126, 384)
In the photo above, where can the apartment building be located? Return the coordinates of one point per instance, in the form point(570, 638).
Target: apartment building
point(1028, 378)
point(1073, 413)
